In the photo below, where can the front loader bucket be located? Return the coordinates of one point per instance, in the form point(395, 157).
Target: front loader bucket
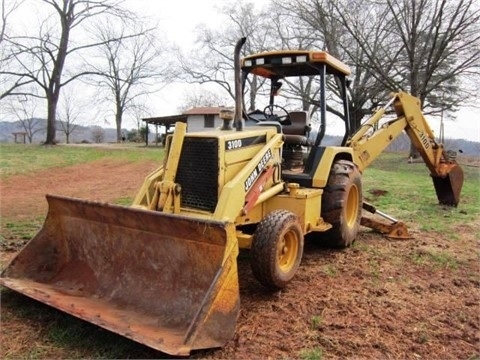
point(165, 281)
point(448, 187)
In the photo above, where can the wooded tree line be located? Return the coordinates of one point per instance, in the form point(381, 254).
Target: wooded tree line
point(96, 42)
point(430, 48)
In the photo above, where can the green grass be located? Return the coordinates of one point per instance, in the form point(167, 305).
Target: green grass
point(21, 229)
point(126, 201)
point(330, 270)
point(436, 259)
point(316, 322)
point(312, 354)
point(410, 195)
point(24, 159)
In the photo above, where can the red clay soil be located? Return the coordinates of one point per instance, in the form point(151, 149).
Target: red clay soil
point(104, 180)
point(380, 299)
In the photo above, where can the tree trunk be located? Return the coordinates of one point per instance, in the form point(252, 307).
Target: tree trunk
point(414, 154)
point(51, 121)
point(118, 122)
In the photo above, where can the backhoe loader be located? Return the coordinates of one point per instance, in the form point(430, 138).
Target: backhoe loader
point(163, 271)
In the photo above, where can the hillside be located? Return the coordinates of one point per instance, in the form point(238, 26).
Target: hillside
point(81, 133)
point(84, 133)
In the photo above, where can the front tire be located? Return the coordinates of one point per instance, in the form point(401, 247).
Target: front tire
point(342, 204)
point(277, 249)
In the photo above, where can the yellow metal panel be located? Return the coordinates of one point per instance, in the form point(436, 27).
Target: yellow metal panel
point(238, 148)
point(320, 177)
point(305, 203)
point(232, 195)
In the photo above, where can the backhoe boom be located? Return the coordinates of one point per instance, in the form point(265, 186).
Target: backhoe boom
point(371, 140)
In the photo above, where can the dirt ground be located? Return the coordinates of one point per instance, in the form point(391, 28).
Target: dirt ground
point(380, 299)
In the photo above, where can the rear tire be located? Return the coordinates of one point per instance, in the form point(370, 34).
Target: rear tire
point(277, 249)
point(342, 204)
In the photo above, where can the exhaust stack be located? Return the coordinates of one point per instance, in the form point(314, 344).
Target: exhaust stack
point(238, 117)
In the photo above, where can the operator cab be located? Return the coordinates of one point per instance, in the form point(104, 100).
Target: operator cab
point(294, 91)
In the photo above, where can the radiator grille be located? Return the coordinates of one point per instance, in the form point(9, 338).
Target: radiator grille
point(198, 173)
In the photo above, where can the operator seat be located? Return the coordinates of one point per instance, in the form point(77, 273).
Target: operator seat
point(297, 132)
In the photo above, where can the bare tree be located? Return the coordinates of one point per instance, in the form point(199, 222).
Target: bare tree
point(431, 48)
point(138, 111)
point(441, 44)
point(98, 134)
point(8, 82)
point(24, 109)
point(41, 58)
point(128, 69)
point(214, 62)
point(317, 22)
point(281, 25)
point(5, 12)
point(68, 115)
point(427, 47)
point(436, 44)
point(200, 97)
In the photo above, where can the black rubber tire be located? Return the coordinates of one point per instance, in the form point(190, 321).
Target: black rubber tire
point(277, 249)
point(342, 204)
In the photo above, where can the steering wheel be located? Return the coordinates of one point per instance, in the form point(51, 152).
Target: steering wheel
point(283, 118)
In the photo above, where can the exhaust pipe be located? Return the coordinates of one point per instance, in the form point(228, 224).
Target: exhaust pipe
point(238, 118)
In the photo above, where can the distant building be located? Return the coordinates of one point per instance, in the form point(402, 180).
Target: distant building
point(20, 137)
point(203, 118)
point(197, 119)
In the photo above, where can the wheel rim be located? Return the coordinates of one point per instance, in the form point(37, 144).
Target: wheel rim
point(351, 210)
point(287, 251)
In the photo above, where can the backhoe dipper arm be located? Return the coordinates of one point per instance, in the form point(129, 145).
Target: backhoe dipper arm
point(371, 140)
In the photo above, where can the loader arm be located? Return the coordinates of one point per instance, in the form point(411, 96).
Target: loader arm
point(371, 140)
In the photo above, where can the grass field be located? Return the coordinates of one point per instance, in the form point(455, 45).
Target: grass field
point(408, 192)
point(403, 190)
point(24, 159)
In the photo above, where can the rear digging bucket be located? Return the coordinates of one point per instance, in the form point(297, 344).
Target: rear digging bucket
point(166, 281)
point(448, 188)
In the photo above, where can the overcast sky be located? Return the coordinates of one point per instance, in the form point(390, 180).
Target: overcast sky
point(178, 19)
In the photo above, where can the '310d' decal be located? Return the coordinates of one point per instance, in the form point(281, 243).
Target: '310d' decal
point(239, 143)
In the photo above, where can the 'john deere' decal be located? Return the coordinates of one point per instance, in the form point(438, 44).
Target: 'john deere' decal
point(257, 170)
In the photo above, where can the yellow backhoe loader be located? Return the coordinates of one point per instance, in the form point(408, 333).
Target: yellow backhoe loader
point(163, 271)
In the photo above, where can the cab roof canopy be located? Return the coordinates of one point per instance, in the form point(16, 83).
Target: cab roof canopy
point(284, 63)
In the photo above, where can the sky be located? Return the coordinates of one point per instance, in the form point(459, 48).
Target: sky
point(178, 19)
